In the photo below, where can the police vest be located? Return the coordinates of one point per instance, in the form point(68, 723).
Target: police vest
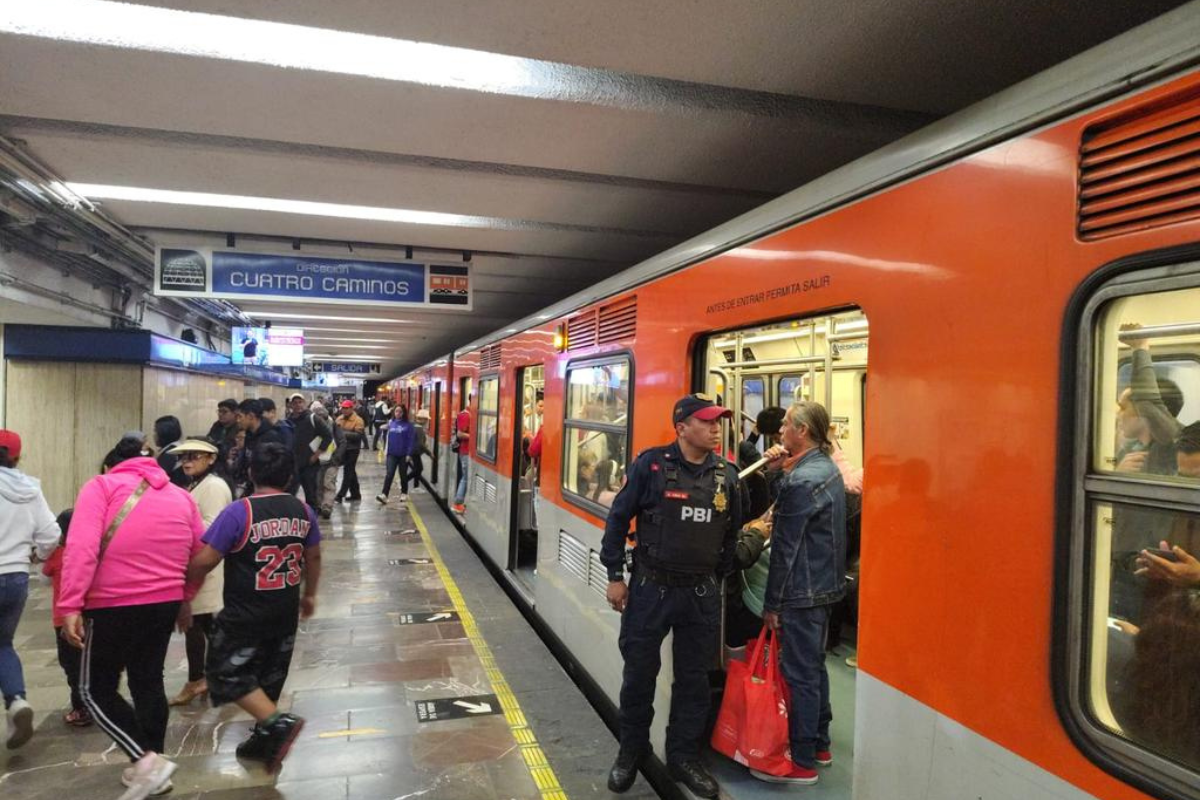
point(685, 530)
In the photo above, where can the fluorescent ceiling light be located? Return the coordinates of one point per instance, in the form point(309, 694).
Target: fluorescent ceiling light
point(138, 194)
point(307, 329)
point(344, 356)
point(308, 338)
point(331, 345)
point(273, 315)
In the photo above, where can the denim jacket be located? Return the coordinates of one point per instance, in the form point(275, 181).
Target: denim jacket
point(808, 559)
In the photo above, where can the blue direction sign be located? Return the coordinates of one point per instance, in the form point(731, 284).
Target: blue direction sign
point(234, 275)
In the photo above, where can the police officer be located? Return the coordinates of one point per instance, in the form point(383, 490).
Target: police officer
point(683, 496)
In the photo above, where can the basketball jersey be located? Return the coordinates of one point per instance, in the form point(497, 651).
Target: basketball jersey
point(263, 572)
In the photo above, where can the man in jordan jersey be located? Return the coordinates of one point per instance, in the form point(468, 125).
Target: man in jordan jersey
point(270, 543)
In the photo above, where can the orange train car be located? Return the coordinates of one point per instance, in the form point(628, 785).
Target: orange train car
point(979, 306)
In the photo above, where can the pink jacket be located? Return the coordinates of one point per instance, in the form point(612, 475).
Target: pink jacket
point(147, 559)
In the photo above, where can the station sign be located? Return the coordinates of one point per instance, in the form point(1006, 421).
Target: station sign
point(295, 278)
point(451, 708)
point(347, 368)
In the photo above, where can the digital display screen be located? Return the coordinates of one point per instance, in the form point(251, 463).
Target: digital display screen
point(269, 347)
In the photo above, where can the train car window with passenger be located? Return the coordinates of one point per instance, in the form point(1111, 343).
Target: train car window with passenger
point(596, 430)
point(486, 426)
point(1139, 616)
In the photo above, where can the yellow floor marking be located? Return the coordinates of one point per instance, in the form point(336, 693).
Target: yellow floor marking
point(351, 732)
point(539, 767)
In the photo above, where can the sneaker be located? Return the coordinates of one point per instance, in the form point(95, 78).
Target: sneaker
point(255, 748)
point(695, 777)
point(20, 723)
point(459, 508)
point(381, 499)
point(852, 662)
point(824, 758)
point(326, 513)
point(78, 718)
point(403, 498)
point(150, 776)
point(802, 776)
point(280, 735)
point(127, 778)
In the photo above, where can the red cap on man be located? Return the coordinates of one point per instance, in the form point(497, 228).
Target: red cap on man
point(347, 404)
point(700, 407)
point(11, 441)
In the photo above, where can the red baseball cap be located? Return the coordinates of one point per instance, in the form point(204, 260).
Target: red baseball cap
point(700, 407)
point(347, 404)
point(12, 441)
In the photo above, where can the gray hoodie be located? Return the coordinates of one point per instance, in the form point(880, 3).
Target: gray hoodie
point(25, 521)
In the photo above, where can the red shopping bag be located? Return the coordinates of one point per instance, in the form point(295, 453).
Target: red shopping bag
point(733, 707)
point(763, 744)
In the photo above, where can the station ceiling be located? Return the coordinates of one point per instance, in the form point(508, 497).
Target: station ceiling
point(567, 139)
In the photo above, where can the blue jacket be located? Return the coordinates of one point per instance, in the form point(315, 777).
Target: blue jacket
point(399, 438)
point(808, 542)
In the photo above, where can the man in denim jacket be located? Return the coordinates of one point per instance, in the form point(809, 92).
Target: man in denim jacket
point(807, 577)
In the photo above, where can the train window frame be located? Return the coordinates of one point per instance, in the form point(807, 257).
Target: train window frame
point(619, 356)
point(1081, 489)
point(480, 413)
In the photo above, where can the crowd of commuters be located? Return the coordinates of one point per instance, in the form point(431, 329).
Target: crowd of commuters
point(136, 558)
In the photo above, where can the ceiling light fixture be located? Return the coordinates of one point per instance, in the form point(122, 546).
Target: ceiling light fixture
point(277, 315)
point(311, 208)
point(275, 44)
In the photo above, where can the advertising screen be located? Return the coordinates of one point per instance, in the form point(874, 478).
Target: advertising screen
point(268, 347)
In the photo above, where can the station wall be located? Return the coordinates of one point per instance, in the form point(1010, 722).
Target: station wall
point(70, 414)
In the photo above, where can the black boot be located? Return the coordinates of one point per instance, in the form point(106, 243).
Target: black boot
point(694, 776)
point(624, 770)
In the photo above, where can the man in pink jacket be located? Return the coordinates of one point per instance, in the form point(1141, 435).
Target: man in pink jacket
point(131, 537)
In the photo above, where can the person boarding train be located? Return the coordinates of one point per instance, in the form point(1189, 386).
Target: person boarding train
point(686, 499)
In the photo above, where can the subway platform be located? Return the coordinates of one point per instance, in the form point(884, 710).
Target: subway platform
point(417, 675)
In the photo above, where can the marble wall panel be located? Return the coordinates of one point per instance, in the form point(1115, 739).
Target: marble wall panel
point(108, 402)
point(40, 406)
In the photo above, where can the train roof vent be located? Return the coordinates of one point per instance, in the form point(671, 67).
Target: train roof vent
point(618, 322)
point(1142, 170)
point(489, 357)
point(581, 330)
point(615, 322)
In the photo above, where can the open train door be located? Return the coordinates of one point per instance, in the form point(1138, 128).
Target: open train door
point(523, 526)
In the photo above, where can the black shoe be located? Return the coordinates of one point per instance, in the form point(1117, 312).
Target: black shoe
point(624, 770)
point(337, 500)
point(280, 735)
point(255, 747)
point(694, 776)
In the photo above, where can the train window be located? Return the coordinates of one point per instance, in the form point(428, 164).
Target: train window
point(792, 388)
point(753, 401)
point(1134, 620)
point(596, 431)
point(489, 407)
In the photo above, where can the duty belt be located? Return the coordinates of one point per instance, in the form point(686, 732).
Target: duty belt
point(667, 578)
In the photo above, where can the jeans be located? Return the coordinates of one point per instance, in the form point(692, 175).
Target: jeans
point(416, 467)
point(396, 464)
point(196, 640)
point(14, 589)
point(460, 494)
point(802, 660)
point(133, 640)
point(694, 620)
point(350, 477)
point(308, 478)
point(69, 657)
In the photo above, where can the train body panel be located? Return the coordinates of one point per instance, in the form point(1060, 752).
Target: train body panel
point(965, 275)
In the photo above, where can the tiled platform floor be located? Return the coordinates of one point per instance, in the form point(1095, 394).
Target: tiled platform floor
point(357, 675)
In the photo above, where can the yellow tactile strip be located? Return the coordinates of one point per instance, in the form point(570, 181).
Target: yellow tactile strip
point(531, 751)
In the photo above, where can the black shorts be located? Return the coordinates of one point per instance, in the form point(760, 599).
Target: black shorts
point(241, 660)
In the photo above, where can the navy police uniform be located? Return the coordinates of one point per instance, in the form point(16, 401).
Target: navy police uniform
point(688, 516)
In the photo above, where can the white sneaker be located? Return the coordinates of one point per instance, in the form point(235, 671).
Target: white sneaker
point(20, 723)
point(381, 499)
point(403, 498)
point(149, 777)
point(127, 778)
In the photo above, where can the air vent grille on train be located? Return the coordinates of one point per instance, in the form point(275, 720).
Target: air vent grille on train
point(1141, 171)
point(616, 322)
point(573, 555)
point(489, 357)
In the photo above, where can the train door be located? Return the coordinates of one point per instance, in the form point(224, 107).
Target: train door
point(763, 370)
point(465, 389)
point(435, 428)
point(523, 543)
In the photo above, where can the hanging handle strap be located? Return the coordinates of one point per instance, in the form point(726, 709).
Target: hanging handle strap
point(130, 503)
